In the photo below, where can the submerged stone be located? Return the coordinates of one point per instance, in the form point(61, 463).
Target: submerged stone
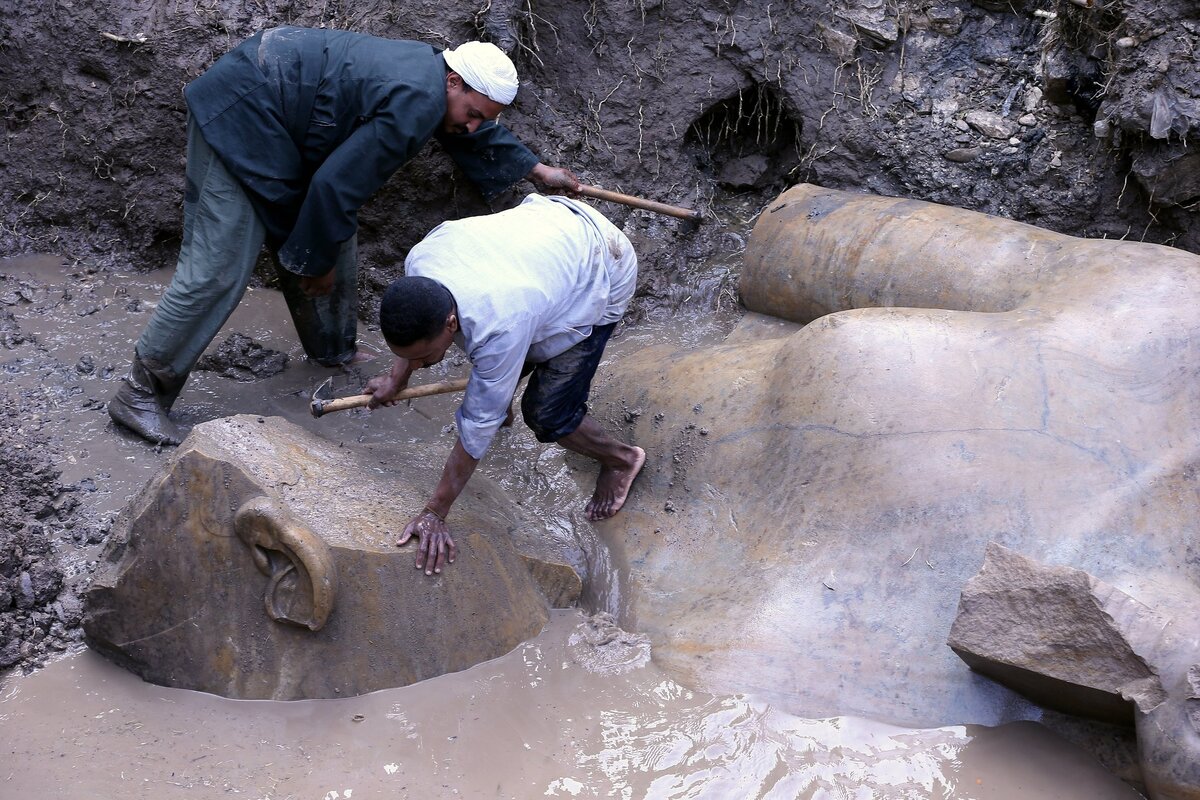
point(260, 563)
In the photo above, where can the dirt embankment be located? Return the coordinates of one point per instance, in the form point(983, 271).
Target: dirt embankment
point(1071, 117)
point(1070, 114)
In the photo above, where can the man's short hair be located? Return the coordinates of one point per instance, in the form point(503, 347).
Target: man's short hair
point(414, 309)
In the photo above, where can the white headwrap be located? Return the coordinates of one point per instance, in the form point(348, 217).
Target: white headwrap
point(486, 69)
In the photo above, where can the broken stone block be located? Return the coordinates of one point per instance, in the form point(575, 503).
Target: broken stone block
point(260, 564)
point(945, 19)
point(839, 42)
point(560, 584)
point(876, 26)
point(1057, 635)
point(1169, 742)
point(1072, 642)
point(963, 155)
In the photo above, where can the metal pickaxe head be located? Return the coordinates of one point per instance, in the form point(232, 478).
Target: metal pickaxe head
point(324, 391)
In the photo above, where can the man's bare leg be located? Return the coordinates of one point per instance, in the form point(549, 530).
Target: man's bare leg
point(619, 465)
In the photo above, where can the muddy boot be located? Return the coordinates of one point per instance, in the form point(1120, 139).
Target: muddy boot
point(142, 402)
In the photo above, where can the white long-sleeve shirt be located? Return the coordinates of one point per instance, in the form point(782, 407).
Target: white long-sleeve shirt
point(530, 283)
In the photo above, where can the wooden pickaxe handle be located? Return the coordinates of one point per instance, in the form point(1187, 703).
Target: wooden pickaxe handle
point(320, 408)
point(637, 202)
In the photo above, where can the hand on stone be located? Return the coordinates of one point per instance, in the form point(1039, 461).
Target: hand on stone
point(436, 548)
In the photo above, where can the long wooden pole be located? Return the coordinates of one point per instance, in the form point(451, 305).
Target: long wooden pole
point(638, 202)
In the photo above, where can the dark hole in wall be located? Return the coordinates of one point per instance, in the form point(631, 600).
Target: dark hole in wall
point(747, 141)
point(1076, 45)
point(1086, 93)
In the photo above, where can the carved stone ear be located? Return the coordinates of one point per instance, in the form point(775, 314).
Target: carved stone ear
point(302, 579)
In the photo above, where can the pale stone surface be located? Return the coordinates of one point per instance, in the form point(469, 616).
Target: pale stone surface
point(261, 564)
point(1169, 741)
point(1019, 386)
point(559, 583)
point(839, 42)
point(945, 19)
point(872, 21)
point(963, 155)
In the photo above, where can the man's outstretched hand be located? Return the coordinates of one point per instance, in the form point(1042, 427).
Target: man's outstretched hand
point(435, 548)
point(555, 180)
point(317, 285)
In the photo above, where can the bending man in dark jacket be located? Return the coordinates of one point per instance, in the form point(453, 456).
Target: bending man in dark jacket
point(288, 135)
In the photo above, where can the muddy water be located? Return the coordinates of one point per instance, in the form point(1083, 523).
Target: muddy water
point(559, 716)
point(542, 721)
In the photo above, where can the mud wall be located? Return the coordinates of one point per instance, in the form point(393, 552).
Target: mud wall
point(1070, 114)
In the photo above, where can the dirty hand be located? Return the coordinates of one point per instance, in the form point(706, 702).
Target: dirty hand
point(436, 548)
point(555, 180)
point(317, 285)
point(383, 390)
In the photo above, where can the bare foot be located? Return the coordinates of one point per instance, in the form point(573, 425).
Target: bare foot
point(508, 418)
point(359, 357)
point(612, 487)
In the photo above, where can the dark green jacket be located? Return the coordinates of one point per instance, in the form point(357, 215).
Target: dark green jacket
point(312, 122)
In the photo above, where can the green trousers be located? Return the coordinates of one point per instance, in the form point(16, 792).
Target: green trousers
point(222, 239)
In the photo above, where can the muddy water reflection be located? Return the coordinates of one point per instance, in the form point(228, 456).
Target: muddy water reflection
point(552, 718)
point(535, 723)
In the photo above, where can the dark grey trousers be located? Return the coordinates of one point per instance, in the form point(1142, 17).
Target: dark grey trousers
point(222, 239)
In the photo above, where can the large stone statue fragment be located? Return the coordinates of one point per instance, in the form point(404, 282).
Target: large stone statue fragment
point(1074, 643)
point(815, 500)
point(261, 563)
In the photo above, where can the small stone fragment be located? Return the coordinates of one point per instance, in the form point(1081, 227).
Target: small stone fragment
point(963, 155)
point(990, 124)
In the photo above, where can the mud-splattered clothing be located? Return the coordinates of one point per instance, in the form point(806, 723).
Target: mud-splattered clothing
point(312, 122)
point(530, 284)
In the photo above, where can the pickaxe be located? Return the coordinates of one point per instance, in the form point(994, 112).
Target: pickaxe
point(322, 403)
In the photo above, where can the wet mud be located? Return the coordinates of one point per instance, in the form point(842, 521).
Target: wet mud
point(243, 359)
